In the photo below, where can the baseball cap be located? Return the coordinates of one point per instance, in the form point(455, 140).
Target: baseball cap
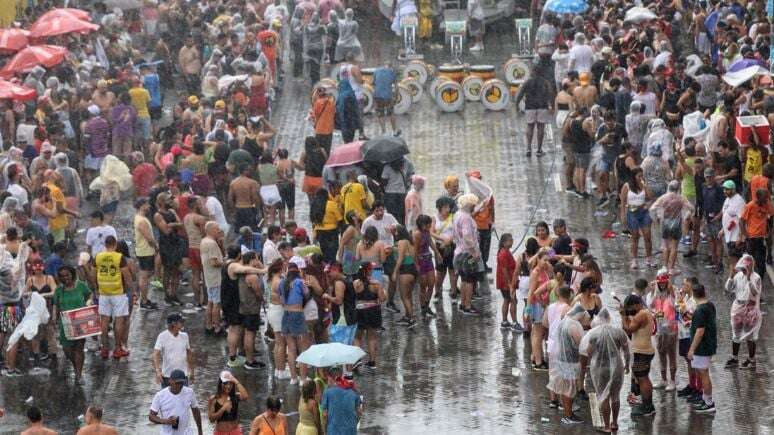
point(177, 375)
point(220, 104)
point(585, 78)
point(93, 109)
point(193, 99)
point(299, 233)
point(174, 318)
point(226, 376)
point(729, 184)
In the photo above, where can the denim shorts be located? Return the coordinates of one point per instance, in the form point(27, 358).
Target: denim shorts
point(640, 218)
point(293, 323)
point(213, 294)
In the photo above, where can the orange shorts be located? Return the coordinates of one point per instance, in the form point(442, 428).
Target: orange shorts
point(311, 184)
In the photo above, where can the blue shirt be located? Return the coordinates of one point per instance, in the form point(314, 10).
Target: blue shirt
point(153, 85)
point(53, 263)
point(341, 405)
point(296, 293)
point(384, 79)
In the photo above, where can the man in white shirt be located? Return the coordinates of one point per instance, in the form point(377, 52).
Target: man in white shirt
point(170, 406)
point(96, 234)
point(732, 210)
point(15, 188)
point(172, 352)
point(581, 55)
point(383, 222)
point(270, 253)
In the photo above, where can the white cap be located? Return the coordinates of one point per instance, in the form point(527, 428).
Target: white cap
point(93, 109)
point(226, 376)
point(298, 261)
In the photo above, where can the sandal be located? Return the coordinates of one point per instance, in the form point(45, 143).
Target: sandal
point(613, 428)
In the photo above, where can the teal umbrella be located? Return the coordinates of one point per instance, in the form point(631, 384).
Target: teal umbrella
point(330, 354)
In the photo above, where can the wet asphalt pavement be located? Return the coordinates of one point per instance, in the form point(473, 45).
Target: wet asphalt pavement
point(452, 375)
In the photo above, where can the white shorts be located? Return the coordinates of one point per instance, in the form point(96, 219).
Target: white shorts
point(701, 362)
point(541, 116)
point(270, 195)
point(274, 316)
point(113, 305)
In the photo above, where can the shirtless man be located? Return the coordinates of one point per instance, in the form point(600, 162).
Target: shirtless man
point(94, 425)
point(193, 222)
point(585, 95)
point(243, 195)
point(36, 423)
point(102, 97)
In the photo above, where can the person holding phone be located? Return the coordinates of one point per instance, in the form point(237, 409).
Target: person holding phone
point(170, 407)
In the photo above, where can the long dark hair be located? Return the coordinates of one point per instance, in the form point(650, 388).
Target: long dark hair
point(292, 275)
point(635, 185)
point(370, 236)
point(317, 206)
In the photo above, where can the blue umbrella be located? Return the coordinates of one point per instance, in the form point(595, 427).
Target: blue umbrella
point(330, 354)
point(566, 6)
point(744, 63)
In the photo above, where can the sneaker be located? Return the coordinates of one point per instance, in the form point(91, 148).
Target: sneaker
point(585, 195)
point(695, 399)
point(517, 327)
point(470, 311)
point(657, 385)
point(576, 193)
point(254, 365)
point(670, 386)
point(572, 190)
point(404, 321)
point(572, 419)
point(371, 364)
point(12, 373)
point(397, 133)
point(176, 301)
point(643, 410)
point(603, 202)
point(689, 254)
point(704, 408)
point(411, 324)
point(233, 363)
point(732, 363)
point(157, 284)
point(150, 306)
point(429, 312)
point(685, 392)
point(554, 404)
point(542, 367)
point(505, 325)
point(476, 47)
point(686, 240)
point(391, 308)
point(747, 364)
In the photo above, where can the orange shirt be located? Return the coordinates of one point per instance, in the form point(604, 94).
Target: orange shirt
point(758, 182)
point(264, 428)
point(755, 216)
point(484, 217)
point(323, 114)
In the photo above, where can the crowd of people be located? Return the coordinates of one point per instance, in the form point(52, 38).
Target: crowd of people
point(214, 205)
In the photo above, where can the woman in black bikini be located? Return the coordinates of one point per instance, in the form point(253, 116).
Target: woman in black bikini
point(223, 406)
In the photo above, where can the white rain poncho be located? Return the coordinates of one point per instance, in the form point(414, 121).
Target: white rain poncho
point(659, 134)
point(565, 368)
point(348, 41)
point(746, 315)
point(35, 315)
point(604, 345)
point(113, 170)
point(13, 275)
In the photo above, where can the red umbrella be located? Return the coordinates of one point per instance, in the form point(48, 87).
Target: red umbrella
point(59, 26)
point(346, 154)
point(79, 14)
point(9, 90)
point(34, 55)
point(13, 39)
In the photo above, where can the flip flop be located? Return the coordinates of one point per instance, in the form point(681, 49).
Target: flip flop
point(602, 430)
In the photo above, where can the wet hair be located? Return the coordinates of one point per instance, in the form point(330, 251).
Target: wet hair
point(564, 292)
point(272, 231)
point(699, 291)
point(248, 256)
point(444, 201)
point(284, 245)
point(562, 268)
point(266, 157)
point(275, 267)
point(641, 284)
point(531, 247)
point(401, 233)
point(352, 214)
point(542, 224)
point(292, 275)
point(273, 403)
point(370, 236)
point(282, 153)
point(110, 241)
point(317, 206)
point(633, 300)
point(308, 389)
point(95, 411)
point(423, 220)
point(233, 251)
point(34, 415)
point(69, 269)
point(378, 203)
point(587, 283)
point(97, 215)
point(503, 240)
point(11, 234)
point(123, 248)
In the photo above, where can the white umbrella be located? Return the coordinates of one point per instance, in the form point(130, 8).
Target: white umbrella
point(639, 14)
point(330, 354)
point(736, 78)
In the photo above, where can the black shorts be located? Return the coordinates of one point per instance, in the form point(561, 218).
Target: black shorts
point(155, 113)
point(734, 250)
point(287, 192)
point(408, 269)
point(251, 322)
point(446, 262)
point(245, 217)
point(369, 318)
point(389, 265)
point(383, 106)
point(232, 318)
point(641, 365)
point(147, 264)
point(683, 345)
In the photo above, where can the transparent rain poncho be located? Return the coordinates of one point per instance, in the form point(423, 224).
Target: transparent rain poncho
point(603, 344)
point(746, 316)
point(348, 41)
point(565, 365)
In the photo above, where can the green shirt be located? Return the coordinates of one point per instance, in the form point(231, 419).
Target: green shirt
point(70, 299)
point(705, 317)
point(688, 186)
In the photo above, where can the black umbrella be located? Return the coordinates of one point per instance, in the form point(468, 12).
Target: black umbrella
point(384, 149)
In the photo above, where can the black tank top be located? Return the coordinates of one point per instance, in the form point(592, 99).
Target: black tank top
point(232, 415)
point(581, 142)
point(348, 303)
point(229, 290)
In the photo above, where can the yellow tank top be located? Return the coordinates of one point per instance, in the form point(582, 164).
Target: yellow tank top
point(109, 273)
point(141, 248)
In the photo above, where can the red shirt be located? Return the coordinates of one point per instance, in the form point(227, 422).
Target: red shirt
point(143, 177)
point(506, 266)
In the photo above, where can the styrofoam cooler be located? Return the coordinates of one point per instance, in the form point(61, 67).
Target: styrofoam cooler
point(744, 126)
